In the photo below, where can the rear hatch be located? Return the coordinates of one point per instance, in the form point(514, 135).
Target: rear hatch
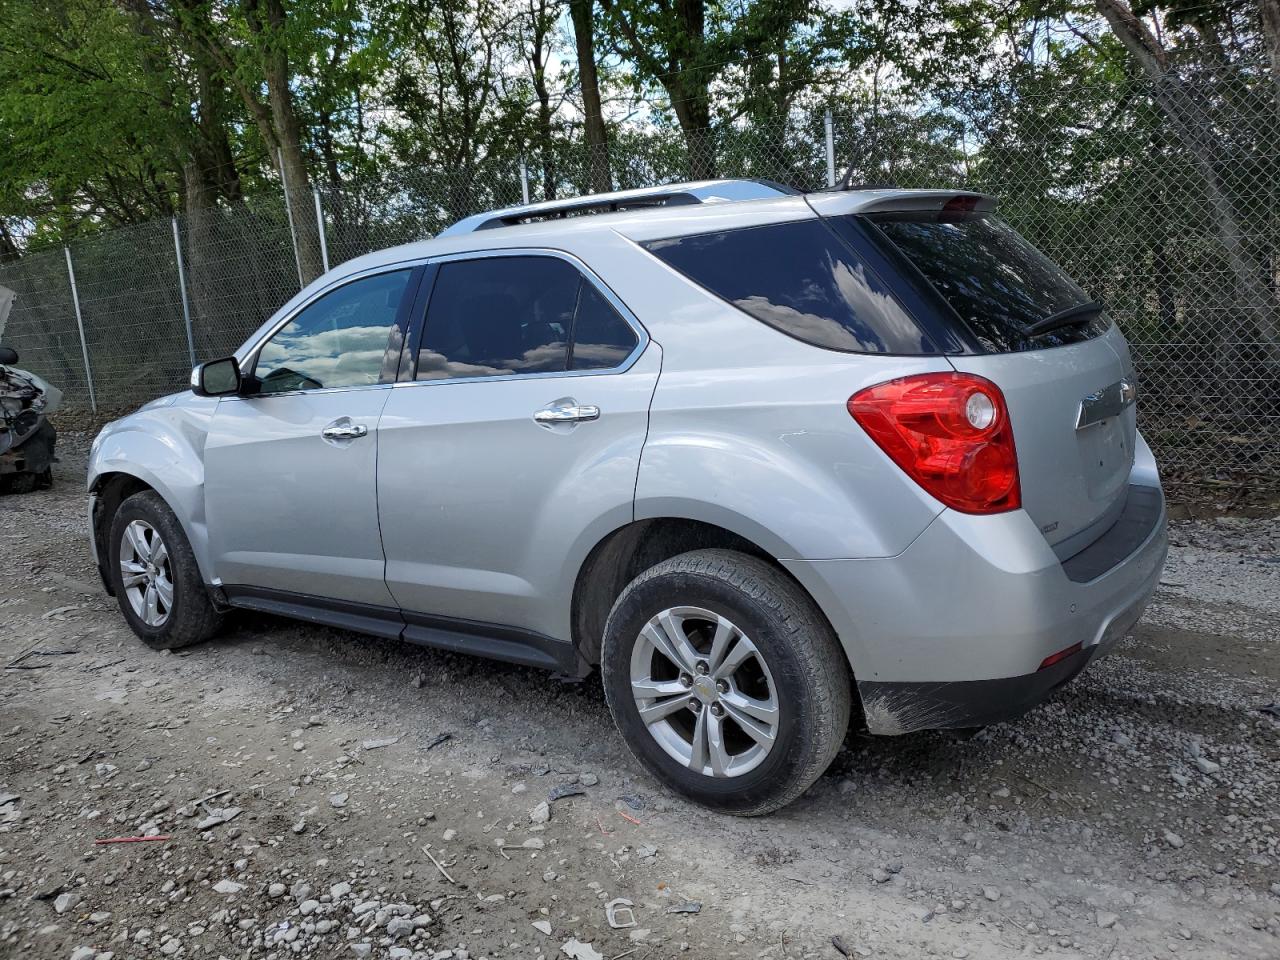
point(1068, 387)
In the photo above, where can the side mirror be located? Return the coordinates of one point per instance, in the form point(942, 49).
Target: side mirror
point(8, 355)
point(216, 378)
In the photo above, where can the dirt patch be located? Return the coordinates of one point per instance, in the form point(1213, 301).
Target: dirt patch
point(1133, 815)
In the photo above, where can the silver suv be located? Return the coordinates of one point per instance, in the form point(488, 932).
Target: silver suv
point(745, 450)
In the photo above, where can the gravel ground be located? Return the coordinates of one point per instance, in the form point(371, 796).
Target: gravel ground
point(328, 795)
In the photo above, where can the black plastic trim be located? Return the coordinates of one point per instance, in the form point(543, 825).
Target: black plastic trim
point(491, 640)
point(584, 205)
point(361, 617)
point(900, 708)
point(400, 332)
point(408, 366)
point(1143, 510)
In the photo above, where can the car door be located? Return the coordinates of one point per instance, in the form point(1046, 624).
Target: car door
point(290, 478)
point(512, 448)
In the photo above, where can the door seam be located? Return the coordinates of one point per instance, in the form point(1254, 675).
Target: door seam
point(648, 423)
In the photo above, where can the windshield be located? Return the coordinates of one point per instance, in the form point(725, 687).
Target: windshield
point(992, 278)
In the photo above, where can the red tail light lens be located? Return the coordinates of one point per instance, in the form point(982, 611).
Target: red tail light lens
point(950, 433)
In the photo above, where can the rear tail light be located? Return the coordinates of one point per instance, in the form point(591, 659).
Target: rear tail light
point(950, 433)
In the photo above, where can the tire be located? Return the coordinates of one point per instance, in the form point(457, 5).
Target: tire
point(18, 482)
point(797, 674)
point(190, 617)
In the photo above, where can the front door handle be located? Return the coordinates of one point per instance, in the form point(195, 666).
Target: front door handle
point(344, 431)
point(566, 411)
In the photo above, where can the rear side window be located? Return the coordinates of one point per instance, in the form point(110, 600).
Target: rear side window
point(499, 316)
point(991, 277)
point(801, 279)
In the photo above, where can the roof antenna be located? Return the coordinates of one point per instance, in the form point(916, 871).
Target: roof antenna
point(846, 183)
point(847, 180)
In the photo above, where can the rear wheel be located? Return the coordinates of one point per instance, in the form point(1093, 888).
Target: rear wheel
point(154, 574)
point(725, 680)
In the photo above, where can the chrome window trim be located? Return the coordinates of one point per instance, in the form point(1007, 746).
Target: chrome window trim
point(629, 318)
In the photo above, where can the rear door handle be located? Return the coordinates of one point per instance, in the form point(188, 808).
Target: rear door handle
point(567, 411)
point(344, 431)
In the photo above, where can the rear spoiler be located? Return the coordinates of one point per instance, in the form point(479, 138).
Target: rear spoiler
point(893, 200)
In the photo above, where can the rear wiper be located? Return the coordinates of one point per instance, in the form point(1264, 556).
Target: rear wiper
point(1063, 318)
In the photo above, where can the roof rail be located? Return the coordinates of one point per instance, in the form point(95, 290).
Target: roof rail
point(670, 195)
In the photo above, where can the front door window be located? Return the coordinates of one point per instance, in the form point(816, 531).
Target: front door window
point(339, 340)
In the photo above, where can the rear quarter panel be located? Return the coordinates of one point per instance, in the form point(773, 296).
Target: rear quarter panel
point(749, 430)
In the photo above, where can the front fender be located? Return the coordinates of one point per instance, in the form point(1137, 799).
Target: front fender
point(164, 448)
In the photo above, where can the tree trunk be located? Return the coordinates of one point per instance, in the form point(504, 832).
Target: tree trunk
point(1269, 17)
point(1195, 133)
point(266, 19)
point(694, 114)
point(9, 251)
point(219, 158)
point(1163, 276)
point(196, 235)
point(537, 62)
point(689, 86)
point(582, 13)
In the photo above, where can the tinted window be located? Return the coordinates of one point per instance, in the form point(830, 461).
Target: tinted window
point(601, 338)
point(336, 341)
point(498, 316)
point(801, 279)
point(994, 279)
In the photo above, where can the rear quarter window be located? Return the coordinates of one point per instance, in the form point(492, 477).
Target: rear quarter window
point(800, 279)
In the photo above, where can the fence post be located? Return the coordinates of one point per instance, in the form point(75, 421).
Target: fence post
point(84, 344)
point(324, 243)
point(288, 212)
point(524, 181)
point(831, 149)
point(182, 289)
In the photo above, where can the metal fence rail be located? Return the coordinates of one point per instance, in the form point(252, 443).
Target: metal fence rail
point(1183, 246)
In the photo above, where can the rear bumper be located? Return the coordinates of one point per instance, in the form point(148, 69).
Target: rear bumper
point(952, 631)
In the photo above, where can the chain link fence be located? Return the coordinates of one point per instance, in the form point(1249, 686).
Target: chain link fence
point(1172, 219)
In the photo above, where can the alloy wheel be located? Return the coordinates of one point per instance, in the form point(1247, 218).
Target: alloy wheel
point(704, 692)
point(145, 573)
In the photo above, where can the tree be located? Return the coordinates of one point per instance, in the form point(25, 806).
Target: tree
point(253, 57)
point(1269, 22)
point(582, 15)
point(1185, 107)
point(87, 135)
point(666, 42)
point(458, 89)
point(539, 20)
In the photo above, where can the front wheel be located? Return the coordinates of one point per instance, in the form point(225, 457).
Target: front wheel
point(155, 577)
point(725, 680)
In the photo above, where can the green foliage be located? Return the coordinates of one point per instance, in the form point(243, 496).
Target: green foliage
point(84, 129)
point(120, 111)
